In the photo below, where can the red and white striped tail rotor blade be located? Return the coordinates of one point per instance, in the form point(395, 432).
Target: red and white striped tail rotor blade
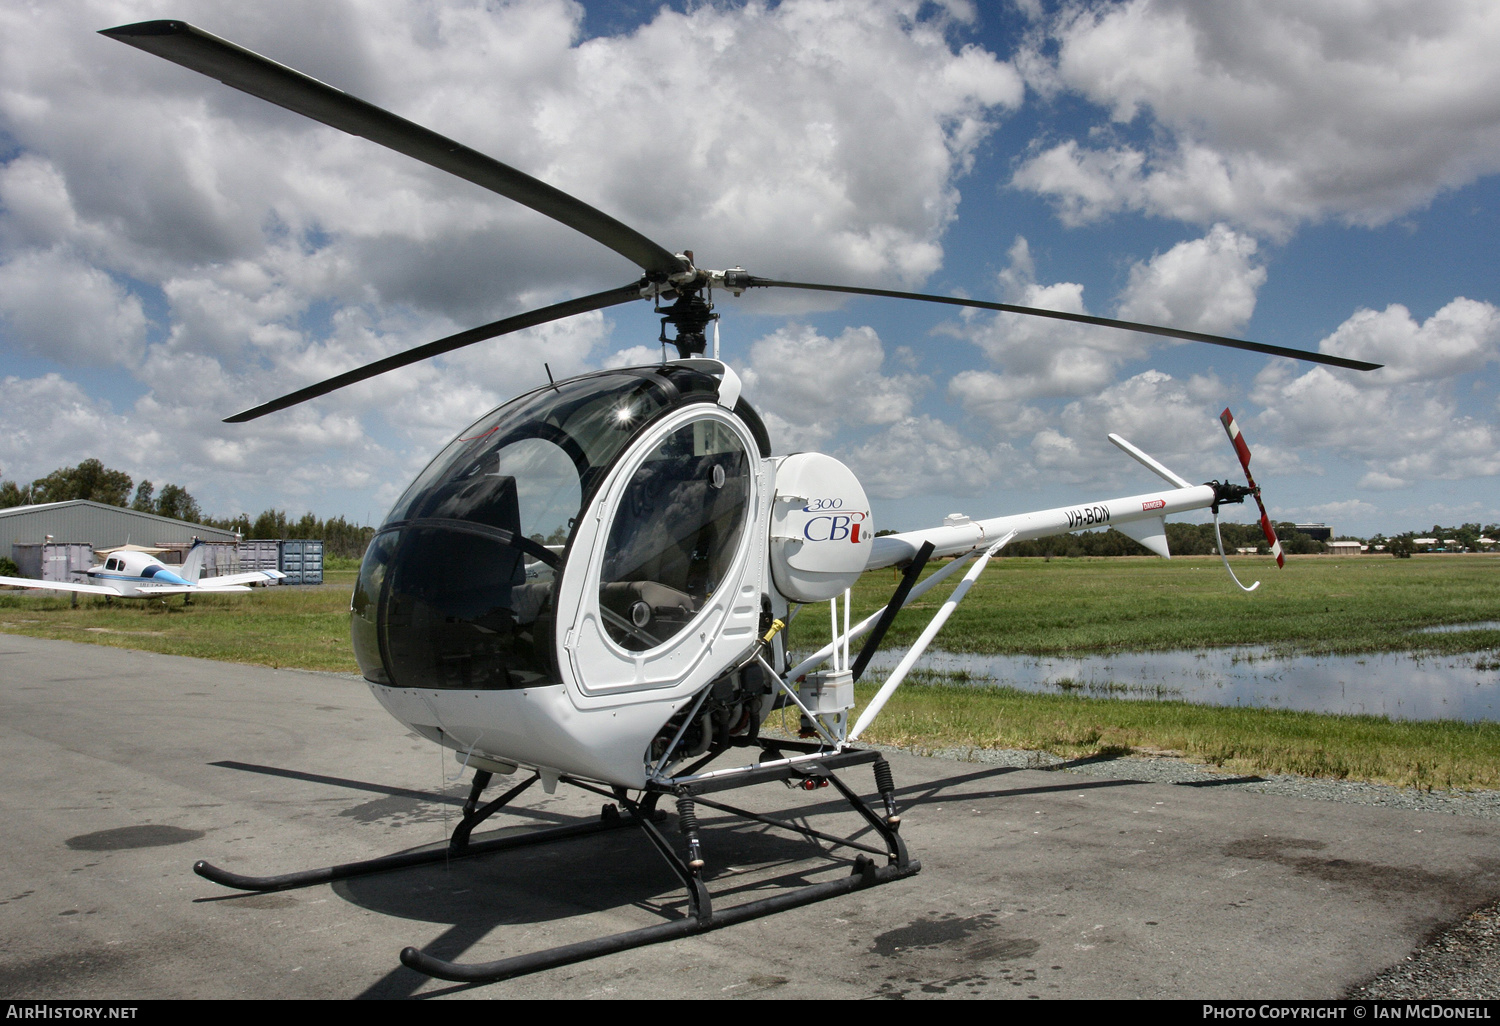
point(1271, 540)
point(1242, 450)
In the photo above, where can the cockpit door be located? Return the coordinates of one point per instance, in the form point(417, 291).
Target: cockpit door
point(661, 586)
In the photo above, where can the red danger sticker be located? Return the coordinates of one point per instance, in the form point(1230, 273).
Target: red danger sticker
point(1154, 504)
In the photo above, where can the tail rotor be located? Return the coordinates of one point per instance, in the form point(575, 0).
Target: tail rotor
point(1243, 451)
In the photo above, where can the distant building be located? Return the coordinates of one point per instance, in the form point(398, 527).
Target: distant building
point(1317, 532)
point(40, 531)
point(1346, 548)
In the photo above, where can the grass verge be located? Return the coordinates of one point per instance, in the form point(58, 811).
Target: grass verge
point(1425, 754)
point(301, 628)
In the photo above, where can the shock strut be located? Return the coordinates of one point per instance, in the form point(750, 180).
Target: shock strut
point(687, 822)
point(886, 785)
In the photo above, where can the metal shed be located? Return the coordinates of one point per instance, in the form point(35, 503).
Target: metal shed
point(101, 526)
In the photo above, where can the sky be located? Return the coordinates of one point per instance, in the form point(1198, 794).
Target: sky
point(1320, 174)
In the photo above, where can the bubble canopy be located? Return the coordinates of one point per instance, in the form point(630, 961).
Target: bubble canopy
point(457, 589)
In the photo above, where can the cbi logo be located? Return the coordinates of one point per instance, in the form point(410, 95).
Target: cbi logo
point(833, 526)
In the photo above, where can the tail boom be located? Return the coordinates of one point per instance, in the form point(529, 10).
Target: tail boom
point(956, 538)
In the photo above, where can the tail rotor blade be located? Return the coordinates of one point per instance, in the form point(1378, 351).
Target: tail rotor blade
point(1242, 450)
point(1270, 533)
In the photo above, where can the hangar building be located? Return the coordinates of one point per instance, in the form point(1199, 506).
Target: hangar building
point(44, 535)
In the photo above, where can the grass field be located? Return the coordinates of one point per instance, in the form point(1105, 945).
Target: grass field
point(304, 628)
point(1072, 606)
point(1316, 604)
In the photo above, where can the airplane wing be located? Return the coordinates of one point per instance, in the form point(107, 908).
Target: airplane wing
point(84, 589)
point(227, 582)
point(156, 590)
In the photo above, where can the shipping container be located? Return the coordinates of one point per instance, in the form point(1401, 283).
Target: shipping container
point(302, 561)
point(260, 554)
point(53, 561)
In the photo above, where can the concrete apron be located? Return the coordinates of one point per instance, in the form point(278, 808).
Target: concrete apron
point(121, 768)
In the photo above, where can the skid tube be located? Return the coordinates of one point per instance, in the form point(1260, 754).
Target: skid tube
point(458, 847)
point(810, 770)
point(702, 917)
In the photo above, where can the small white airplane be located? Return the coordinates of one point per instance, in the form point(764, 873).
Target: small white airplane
point(134, 572)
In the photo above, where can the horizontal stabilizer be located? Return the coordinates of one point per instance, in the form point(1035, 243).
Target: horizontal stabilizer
point(228, 581)
point(1149, 463)
point(1151, 533)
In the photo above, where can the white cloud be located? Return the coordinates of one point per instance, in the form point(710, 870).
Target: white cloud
point(922, 454)
point(1270, 114)
point(1171, 420)
point(1379, 481)
point(281, 251)
point(674, 128)
point(1459, 339)
point(1341, 511)
point(1206, 284)
point(1036, 357)
point(53, 305)
point(808, 386)
point(1404, 422)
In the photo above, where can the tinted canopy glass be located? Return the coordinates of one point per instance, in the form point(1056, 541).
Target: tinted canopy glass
point(457, 589)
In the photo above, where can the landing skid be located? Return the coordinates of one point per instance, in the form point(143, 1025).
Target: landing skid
point(641, 812)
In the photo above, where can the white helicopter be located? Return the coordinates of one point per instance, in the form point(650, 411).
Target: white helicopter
point(133, 571)
point(647, 645)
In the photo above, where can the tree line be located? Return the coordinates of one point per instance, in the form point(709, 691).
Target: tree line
point(93, 481)
point(340, 538)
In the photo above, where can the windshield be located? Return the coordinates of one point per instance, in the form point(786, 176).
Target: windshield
point(457, 589)
point(675, 534)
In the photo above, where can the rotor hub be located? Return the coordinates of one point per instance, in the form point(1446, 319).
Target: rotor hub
point(690, 314)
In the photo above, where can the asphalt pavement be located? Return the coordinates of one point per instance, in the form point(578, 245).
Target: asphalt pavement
point(121, 768)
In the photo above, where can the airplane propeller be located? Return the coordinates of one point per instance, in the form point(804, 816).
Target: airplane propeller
point(665, 275)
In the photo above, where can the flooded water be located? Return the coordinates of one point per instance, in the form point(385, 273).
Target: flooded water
point(1400, 685)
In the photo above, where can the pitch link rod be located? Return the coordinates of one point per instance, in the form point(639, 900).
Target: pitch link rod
point(751, 281)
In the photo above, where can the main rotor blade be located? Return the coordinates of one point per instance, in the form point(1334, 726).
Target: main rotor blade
point(584, 304)
point(200, 51)
point(1107, 322)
